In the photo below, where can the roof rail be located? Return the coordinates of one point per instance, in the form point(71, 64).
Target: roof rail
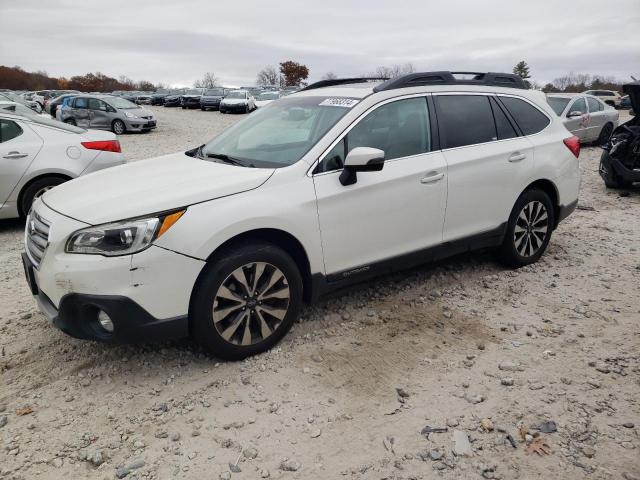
point(449, 78)
point(341, 81)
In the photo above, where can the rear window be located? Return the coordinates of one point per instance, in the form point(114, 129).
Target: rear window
point(465, 120)
point(529, 119)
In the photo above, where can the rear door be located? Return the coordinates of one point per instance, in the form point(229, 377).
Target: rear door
point(81, 113)
point(488, 162)
point(597, 119)
point(577, 118)
point(19, 145)
point(98, 114)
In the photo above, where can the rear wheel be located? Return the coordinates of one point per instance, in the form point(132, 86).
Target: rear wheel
point(35, 190)
point(246, 301)
point(118, 127)
point(528, 230)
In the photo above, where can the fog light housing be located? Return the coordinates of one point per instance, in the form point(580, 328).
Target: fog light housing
point(105, 321)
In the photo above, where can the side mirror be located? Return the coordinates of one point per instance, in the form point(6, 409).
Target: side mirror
point(361, 159)
point(574, 113)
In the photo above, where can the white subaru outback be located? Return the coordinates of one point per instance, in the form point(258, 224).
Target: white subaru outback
point(339, 182)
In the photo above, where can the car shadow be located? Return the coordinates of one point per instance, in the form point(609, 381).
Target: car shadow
point(11, 225)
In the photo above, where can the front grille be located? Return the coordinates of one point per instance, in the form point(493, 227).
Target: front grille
point(149, 117)
point(36, 237)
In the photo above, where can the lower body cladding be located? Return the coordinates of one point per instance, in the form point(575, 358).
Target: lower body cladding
point(142, 297)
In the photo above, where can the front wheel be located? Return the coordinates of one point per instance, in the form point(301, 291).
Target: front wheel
point(246, 301)
point(605, 133)
point(118, 127)
point(529, 229)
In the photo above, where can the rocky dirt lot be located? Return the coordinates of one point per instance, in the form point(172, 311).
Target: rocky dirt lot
point(461, 369)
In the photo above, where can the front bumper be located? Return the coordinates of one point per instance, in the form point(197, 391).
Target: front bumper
point(608, 162)
point(146, 295)
point(233, 108)
point(210, 103)
point(172, 102)
point(140, 124)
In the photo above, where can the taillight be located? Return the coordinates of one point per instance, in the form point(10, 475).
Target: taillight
point(104, 145)
point(573, 144)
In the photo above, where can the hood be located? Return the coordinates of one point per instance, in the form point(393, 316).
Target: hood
point(633, 90)
point(138, 112)
point(263, 103)
point(150, 186)
point(234, 101)
point(191, 96)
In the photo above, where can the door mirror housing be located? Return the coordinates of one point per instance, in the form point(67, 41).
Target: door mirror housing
point(574, 113)
point(361, 159)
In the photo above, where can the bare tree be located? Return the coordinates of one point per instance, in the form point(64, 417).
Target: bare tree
point(269, 75)
point(329, 76)
point(208, 81)
point(393, 71)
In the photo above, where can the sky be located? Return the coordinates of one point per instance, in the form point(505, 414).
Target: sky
point(176, 42)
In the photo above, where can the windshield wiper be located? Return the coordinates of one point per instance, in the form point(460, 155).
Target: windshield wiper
point(230, 160)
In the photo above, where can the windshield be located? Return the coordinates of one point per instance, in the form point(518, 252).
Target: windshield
point(558, 104)
point(193, 91)
point(215, 91)
point(268, 96)
point(237, 94)
point(277, 136)
point(120, 103)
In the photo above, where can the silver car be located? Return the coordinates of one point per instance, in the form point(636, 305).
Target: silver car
point(105, 112)
point(586, 116)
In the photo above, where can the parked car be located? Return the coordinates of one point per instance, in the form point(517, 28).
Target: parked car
point(191, 98)
point(109, 113)
point(63, 109)
point(53, 94)
point(211, 98)
point(620, 161)
point(157, 97)
point(53, 105)
point(265, 98)
point(238, 101)
point(585, 116)
point(610, 97)
point(12, 97)
point(323, 188)
point(173, 99)
point(625, 102)
point(38, 153)
point(143, 98)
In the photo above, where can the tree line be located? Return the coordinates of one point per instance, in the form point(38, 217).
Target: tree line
point(15, 78)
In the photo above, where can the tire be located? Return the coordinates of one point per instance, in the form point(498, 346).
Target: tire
point(222, 111)
point(529, 229)
point(222, 306)
point(203, 109)
point(118, 127)
point(34, 190)
point(183, 107)
point(70, 121)
point(248, 109)
point(605, 133)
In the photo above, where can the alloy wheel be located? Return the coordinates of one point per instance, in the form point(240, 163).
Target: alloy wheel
point(251, 303)
point(118, 127)
point(531, 229)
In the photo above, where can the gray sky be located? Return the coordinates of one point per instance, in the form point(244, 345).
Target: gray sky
point(177, 41)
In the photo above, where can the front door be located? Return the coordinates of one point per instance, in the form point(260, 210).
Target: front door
point(19, 145)
point(81, 113)
point(99, 118)
point(385, 214)
point(577, 121)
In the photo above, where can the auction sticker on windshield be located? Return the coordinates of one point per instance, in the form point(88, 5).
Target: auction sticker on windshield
point(339, 102)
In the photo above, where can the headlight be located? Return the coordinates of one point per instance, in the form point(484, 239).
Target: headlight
point(121, 238)
point(129, 115)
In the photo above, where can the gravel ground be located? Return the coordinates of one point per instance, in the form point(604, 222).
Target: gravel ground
point(504, 362)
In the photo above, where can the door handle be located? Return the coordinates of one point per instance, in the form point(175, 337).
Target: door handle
point(517, 157)
point(11, 155)
point(432, 177)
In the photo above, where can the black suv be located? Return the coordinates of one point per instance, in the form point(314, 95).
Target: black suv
point(191, 98)
point(620, 161)
point(211, 98)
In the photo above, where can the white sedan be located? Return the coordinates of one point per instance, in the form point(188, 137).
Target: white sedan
point(38, 153)
point(586, 116)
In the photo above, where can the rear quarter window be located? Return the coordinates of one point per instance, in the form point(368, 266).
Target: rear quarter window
point(529, 118)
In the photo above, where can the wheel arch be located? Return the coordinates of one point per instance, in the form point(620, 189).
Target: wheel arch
point(550, 189)
point(31, 181)
point(280, 238)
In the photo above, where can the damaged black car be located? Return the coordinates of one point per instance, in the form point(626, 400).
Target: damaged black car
point(620, 161)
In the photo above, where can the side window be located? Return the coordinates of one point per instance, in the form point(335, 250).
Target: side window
point(9, 130)
point(503, 125)
point(465, 120)
point(594, 105)
point(578, 106)
point(399, 128)
point(529, 119)
point(81, 103)
point(95, 104)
